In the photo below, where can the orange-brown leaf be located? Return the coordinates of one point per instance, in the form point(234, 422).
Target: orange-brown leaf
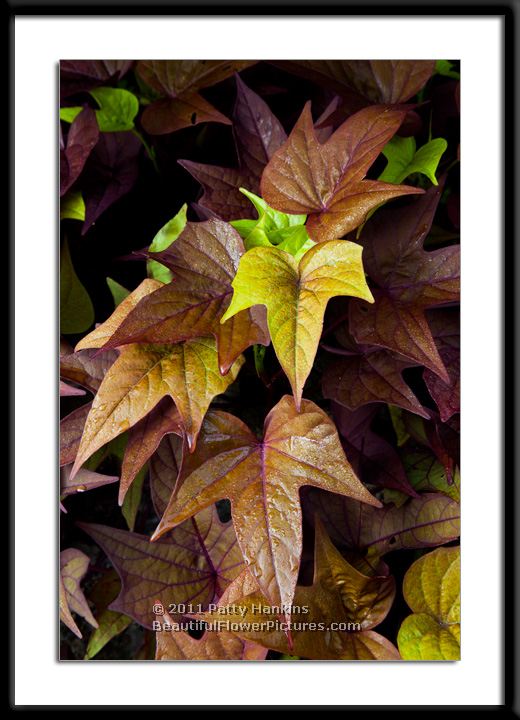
point(262, 480)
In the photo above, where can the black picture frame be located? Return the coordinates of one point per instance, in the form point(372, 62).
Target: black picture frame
point(510, 11)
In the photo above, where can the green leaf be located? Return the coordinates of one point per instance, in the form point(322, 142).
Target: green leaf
point(72, 206)
point(117, 109)
point(110, 622)
point(426, 474)
point(431, 587)
point(69, 114)
point(273, 228)
point(404, 159)
point(445, 68)
point(276, 219)
point(133, 498)
point(76, 309)
point(396, 416)
point(164, 238)
point(295, 241)
point(119, 293)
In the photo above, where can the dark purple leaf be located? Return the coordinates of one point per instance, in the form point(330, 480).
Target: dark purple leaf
point(81, 140)
point(111, 173)
point(410, 280)
point(258, 134)
point(372, 457)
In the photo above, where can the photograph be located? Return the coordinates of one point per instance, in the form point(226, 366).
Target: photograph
point(259, 360)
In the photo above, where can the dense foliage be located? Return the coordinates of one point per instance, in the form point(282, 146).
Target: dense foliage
point(259, 362)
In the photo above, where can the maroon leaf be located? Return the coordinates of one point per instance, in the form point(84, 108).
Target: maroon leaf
point(372, 457)
point(168, 115)
point(364, 375)
point(83, 480)
point(165, 465)
point(445, 328)
point(81, 140)
point(111, 173)
point(68, 390)
point(86, 367)
point(144, 439)
point(71, 430)
point(82, 75)
point(258, 134)
point(193, 564)
point(326, 181)
point(204, 261)
point(410, 280)
point(179, 81)
point(362, 81)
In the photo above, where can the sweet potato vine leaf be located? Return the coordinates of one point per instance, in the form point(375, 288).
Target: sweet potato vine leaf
point(296, 295)
point(339, 594)
point(404, 159)
point(445, 327)
point(83, 480)
point(431, 587)
point(409, 280)
point(180, 81)
point(362, 374)
point(371, 455)
point(164, 238)
point(144, 374)
point(193, 564)
point(103, 333)
point(262, 481)
point(203, 261)
point(326, 181)
point(273, 228)
point(258, 134)
point(73, 568)
point(144, 439)
point(76, 309)
point(111, 172)
point(81, 140)
point(85, 367)
point(375, 81)
point(72, 206)
point(426, 521)
point(110, 623)
point(82, 75)
point(174, 643)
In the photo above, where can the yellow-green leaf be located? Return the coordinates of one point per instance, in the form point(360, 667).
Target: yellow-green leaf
point(431, 588)
point(296, 295)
